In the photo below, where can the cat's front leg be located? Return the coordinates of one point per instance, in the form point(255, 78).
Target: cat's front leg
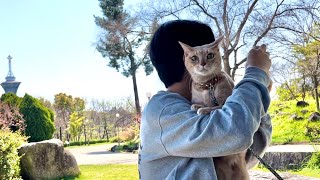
point(195, 107)
point(207, 110)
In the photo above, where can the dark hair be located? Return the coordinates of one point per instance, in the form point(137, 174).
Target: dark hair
point(166, 53)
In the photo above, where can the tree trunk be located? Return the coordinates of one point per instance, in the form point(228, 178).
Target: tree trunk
point(107, 136)
point(136, 97)
point(99, 132)
point(104, 131)
point(303, 87)
point(316, 84)
point(79, 135)
point(85, 135)
point(290, 90)
point(226, 64)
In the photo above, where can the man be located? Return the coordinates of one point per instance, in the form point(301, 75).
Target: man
point(176, 143)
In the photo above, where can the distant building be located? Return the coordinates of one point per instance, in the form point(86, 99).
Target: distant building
point(10, 85)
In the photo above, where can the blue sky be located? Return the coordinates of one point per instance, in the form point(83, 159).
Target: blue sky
point(53, 48)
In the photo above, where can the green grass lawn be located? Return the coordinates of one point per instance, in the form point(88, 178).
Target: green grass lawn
point(83, 145)
point(286, 130)
point(130, 172)
point(303, 172)
point(107, 172)
point(308, 172)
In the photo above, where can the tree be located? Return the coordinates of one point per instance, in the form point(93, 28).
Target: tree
point(103, 113)
point(38, 119)
point(101, 116)
point(93, 115)
point(11, 99)
point(10, 118)
point(121, 41)
point(63, 108)
point(76, 123)
point(46, 103)
point(103, 109)
point(77, 117)
point(309, 64)
point(242, 23)
point(78, 105)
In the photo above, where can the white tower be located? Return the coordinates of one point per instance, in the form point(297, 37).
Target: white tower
point(10, 85)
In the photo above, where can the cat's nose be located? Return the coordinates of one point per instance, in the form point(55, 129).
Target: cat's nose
point(203, 63)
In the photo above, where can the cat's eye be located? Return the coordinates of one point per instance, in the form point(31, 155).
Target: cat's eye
point(194, 58)
point(210, 56)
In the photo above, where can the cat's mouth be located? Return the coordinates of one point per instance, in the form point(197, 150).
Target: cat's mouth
point(203, 72)
point(201, 69)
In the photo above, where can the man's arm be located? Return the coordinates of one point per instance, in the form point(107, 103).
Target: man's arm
point(233, 128)
point(225, 131)
point(261, 140)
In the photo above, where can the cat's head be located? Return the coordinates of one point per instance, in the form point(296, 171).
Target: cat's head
point(203, 61)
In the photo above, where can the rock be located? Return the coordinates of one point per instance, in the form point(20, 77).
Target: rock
point(314, 117)
point(304, 111)
point(125, 147)
point(296, 117)
point(132, 148)
point(47, 160)
point(302, 104)
point(114, 148)
point(286, 160)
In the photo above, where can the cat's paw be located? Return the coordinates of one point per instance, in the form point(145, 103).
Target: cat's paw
point(207, 110)
point(195, 107)
point(204, 110)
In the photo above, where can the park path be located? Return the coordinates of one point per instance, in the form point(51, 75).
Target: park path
point(101, 154)
point(294, 148)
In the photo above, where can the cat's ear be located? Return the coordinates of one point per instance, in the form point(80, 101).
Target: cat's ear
point(216, 42)
point(219, 39)
point(185, 47)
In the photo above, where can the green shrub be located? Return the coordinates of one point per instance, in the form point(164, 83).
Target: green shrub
point(127, 135)
point(314, 162)
point(131, 146)
point(79, 143)
point(313, 131)
point(114, 139)
point(9, 158)
point(38, 119)
point(12, 99)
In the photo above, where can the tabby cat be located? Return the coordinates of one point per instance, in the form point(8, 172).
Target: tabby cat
point(210, 88)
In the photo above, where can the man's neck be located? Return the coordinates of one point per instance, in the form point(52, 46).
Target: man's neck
point(180, 88)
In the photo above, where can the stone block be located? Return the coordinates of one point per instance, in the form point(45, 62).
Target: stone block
point(47, 160)
point(286, 160)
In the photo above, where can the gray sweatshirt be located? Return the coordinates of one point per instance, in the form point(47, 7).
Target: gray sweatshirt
point(176, 143)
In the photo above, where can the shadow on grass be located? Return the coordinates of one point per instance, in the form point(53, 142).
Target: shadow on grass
point(69, 177)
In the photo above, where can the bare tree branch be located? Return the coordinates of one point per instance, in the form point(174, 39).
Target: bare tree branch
point(209, 15)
